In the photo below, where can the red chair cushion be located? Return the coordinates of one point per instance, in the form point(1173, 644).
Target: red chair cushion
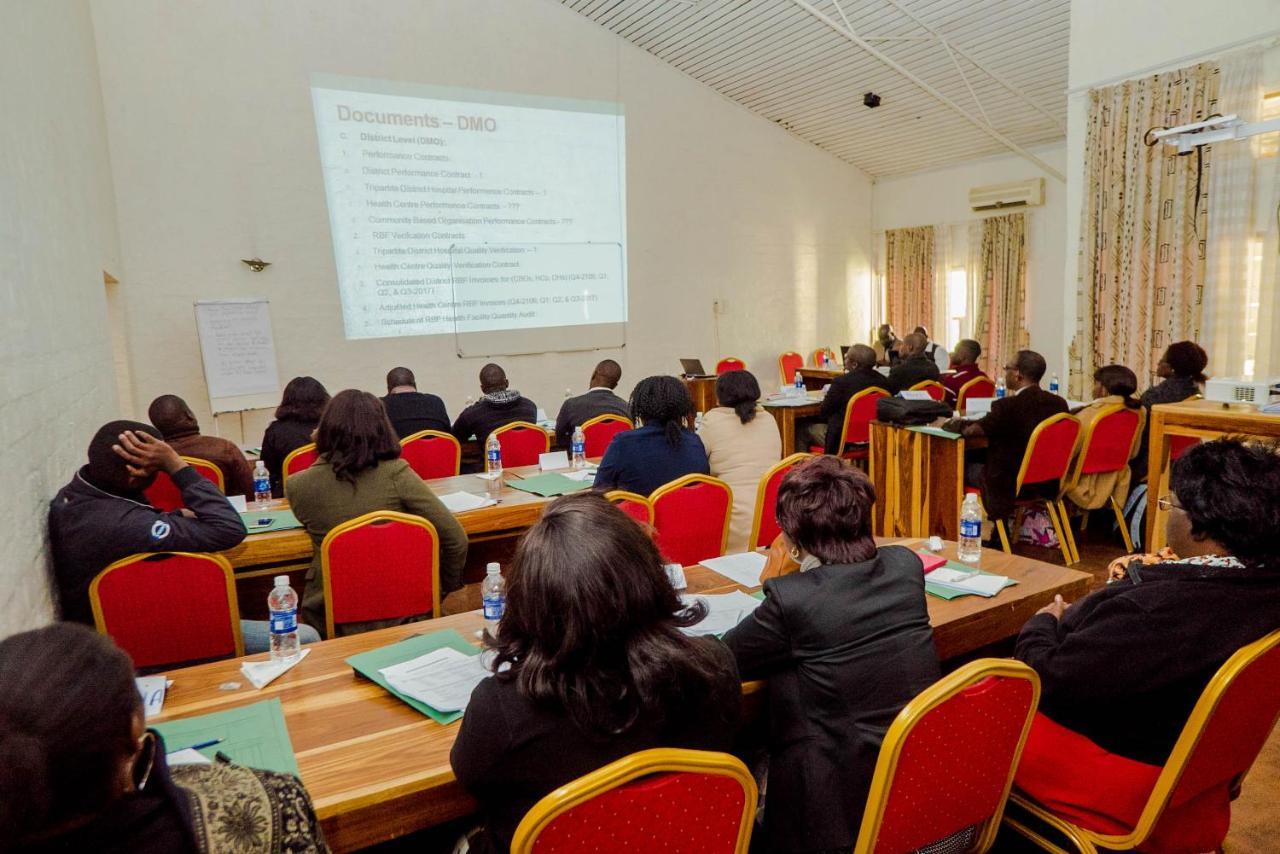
point(302, 462)
point(1111, 442)
point(724, 366)
point(690, 522)
point(431, 457)
point(1052, 452)
point(788, 364)
point(635, 510)
point(164, 494)
point(1178, 445)
point(380, 571)
point(769, 528)
point(599, 435)
point(521, 446)
point(681, 813)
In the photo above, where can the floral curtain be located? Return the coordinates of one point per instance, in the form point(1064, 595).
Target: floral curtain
point(1143, 224)
point(908, 277)
point(1001, 322)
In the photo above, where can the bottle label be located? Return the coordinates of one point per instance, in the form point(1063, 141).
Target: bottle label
point(283, 622)
point(494, 456)
point(970, 528)
point(262, 484)
point(493, 607)
point(579, 448)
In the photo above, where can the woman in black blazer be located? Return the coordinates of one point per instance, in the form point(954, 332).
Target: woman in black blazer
point(845, 643)
point(296, 419)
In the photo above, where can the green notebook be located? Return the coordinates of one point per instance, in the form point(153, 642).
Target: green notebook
point(935, 431)
point(369, 663)
point(548, 484)
point(945, 593)
point(281, 520)
point(254, 735)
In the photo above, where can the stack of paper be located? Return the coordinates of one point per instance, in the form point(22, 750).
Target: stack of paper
point(586, 475)
point(744, 568)
point(443, 678)
point(460, 502)
point(263, 673)
point(724, 611)
point(959, 581)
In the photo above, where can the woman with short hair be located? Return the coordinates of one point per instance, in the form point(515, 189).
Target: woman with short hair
point(79, 770)
point(661, 448)
point(297, 417)
point(591, 665)
point(844, 643)
point(359, 470)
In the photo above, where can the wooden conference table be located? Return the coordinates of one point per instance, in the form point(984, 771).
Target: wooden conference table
point(787, 411)
point(376, 769)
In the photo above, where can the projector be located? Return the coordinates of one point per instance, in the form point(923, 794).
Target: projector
point(1240, 390)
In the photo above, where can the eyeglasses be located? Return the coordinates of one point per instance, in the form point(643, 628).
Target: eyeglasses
point(1166, 504)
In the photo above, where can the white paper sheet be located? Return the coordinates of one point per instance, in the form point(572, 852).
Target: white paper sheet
point(554, 461)
point(743, 568)
point(584, 475)
point(152, 689)
point(443, 678)
point(186, 756)
point(675, 572)
point(724, 611)
point(238, 503)
point(967, 582)
point(263, 673)
point(460, 502)
point(908, 394)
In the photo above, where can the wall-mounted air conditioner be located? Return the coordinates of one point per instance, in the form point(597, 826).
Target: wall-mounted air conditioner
point(1019, 194)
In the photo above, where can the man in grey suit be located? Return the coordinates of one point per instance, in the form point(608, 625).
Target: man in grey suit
point(600, 399)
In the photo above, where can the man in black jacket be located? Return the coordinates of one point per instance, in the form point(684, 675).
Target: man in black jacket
point(913, 366)
point(498, 407)
point(860, 374)
point(410, 410)
point(600, 399)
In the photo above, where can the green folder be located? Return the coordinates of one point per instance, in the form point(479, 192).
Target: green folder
point(254, 735)
point(281, 520)
point(944, 593)
point(935, 431)
point(548, 484)
point(369, 663)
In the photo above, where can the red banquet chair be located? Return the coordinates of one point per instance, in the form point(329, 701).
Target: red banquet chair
point(764, 523)
point(976, 388)
point(599, 432)
point(1047, 458)
point(831, 358)
point(522, 443)
point(1106, 447)
point(730, 363)
point(139, 599)
point(634, 505)
point(664, 799)
point(933, 388)
point(299, 459)
point(953, 748)
point(691, 515)
point(163, 493)
point(383, 565)
point(859, 412)
point(788, 363)
point(1189, 805)
point(432, 454)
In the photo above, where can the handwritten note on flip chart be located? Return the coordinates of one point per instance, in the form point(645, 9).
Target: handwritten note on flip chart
point(237, 347)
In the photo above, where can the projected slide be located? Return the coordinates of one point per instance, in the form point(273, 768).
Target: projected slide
point(455, 211)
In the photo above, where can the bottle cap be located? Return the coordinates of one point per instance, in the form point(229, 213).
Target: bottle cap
point(492, 568)
point(282, 581)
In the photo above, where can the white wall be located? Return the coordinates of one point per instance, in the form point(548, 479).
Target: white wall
point(215, 159)
point(57, 235)
point(941, 196)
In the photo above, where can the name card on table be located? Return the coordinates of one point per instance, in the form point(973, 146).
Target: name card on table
point(914, 395)
point(553, 461)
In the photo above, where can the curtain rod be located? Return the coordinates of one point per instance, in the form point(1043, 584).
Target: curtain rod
point(1273, 36)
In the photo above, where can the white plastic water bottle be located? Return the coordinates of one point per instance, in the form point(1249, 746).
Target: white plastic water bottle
point(578, 449)
point(970, 550)
point(282, 603)
point(826, 363)
point(1053, 384)
point(493, 596)
point(493, 464)
point(261, 485)
point(799, 383)
point(1000, 389)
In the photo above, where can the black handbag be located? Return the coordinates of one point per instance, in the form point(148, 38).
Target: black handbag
point(895, 410)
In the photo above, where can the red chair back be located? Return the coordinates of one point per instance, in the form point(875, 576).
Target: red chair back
point(1109, 440)
point(522, 443)
point(635, 506)
point(599, 432)
point(163, 493)
point(788, 363)
point(858, 415)
point(977, 388)
point(138, 600)
point(299, 459)
point(691, 515)
point(730, 363)
point(954, 748)
point(1049, 451)
point(1178, 445)
point(380, 566)
point(432, 454)
point(764, 524)
point(935, 390)
point(831, 358)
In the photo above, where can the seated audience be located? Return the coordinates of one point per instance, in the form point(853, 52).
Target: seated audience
point(964, 368)
point(296, 420)
point(1112, 385)
point(498, 407)
point(934, 350)
point(913, 366)
point(1181, 371)
point(741, 447)
point(1008, 428)
point(591, 666)
point(177, 424)
point(844, 643)
point(410, 410)
point(82, 773)
point(1121, 669)
point(860, 374)
point(661, 448)
point(599, 399)
point(359, 470)
point(886, 346)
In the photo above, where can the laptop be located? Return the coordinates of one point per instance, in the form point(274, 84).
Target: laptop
point(693, 369)
point(844, 352)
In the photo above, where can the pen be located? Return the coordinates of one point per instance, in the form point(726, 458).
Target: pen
point(202, 745)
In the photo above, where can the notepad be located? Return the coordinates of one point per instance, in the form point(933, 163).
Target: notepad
point(955, 579)
point(442, 679)
point(371, 664)
point(548, 484)
point(724, 611)
point(254, 735)
point(461, 502)
point(931, 561)
point(743, 568)
point(260, 521)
